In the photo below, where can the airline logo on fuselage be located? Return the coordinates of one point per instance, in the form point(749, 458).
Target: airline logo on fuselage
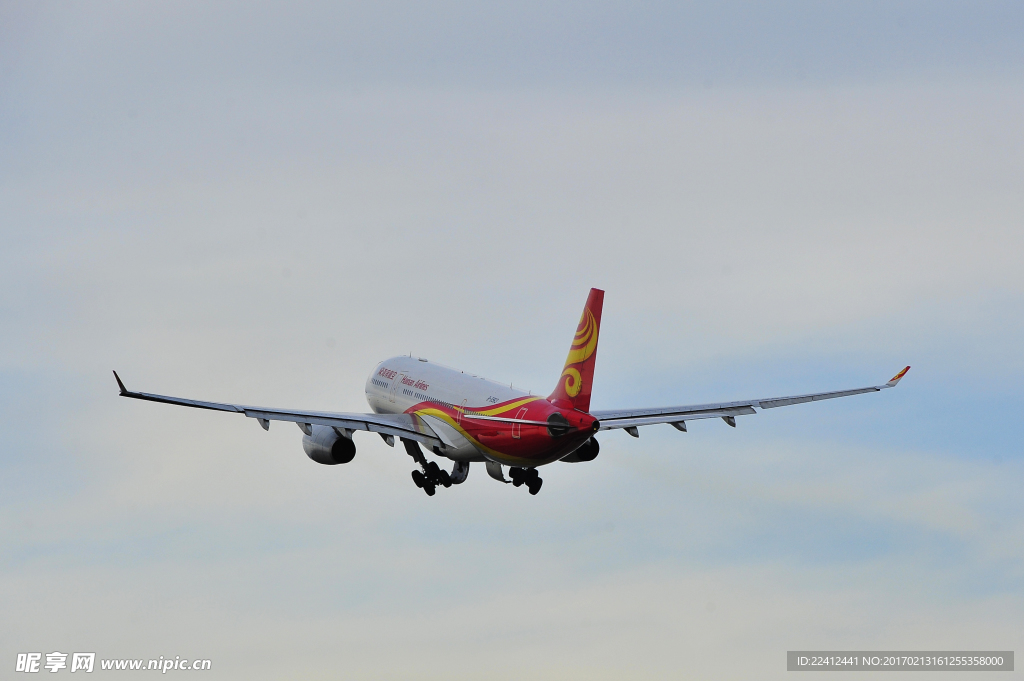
point(419, 385)
point(411, 382)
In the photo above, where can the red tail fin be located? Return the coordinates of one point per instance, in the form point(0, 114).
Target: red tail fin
point(573, 389)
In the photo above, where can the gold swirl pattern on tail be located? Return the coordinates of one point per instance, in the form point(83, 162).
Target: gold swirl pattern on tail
point(583, 346)
point(585, 342)
point(573, 382)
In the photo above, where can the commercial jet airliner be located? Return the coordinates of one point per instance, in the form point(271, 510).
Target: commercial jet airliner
point(467, 418)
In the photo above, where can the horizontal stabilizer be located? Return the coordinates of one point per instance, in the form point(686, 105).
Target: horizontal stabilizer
point(502, 419)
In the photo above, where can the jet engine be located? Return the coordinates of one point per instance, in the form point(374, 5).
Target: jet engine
point(327, 447)
point(585, 452)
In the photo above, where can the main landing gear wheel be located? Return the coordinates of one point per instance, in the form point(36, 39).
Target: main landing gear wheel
point(436, 475)
point(424, 482)
point(431, 477)
point(526, 476)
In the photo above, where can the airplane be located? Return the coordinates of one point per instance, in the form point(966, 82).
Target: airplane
point(469, 419)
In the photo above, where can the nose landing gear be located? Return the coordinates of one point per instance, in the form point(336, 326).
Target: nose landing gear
point(526, 476)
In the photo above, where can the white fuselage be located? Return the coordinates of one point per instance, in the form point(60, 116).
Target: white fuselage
point(400, 383)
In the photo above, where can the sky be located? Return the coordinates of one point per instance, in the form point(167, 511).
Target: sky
point(257, 203)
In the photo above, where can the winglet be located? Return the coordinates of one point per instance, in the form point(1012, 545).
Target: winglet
point(896, 379)
point(120, 385)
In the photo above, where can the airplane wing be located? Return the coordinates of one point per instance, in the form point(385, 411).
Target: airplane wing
point(678, 416)
point(406, 426)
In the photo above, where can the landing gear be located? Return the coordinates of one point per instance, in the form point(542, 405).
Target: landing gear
point(430, 478)
point(419, 479)
point(433, 476)
point(526, 476)
point(438, 476)
point(423, 483)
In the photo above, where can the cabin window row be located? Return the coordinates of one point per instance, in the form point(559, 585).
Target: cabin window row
point(427, 398)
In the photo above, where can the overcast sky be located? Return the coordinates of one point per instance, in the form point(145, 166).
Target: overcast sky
point(259, 203)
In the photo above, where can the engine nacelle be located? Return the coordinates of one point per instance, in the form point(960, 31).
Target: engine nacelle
point(587, 451)
point(327, 447)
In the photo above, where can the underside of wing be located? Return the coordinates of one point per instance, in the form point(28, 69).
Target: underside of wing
point(631, 418)
point(408, 426)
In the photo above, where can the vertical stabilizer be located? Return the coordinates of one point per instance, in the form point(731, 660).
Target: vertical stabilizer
point(573, 389)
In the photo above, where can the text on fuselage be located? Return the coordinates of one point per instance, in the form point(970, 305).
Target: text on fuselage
point(390, 374)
